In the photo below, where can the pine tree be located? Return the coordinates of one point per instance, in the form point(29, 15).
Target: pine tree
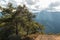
point(18, 20)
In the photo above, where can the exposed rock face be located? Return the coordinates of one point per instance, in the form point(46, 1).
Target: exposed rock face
point(48, 37)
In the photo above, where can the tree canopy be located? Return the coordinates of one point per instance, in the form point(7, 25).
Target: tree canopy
point(17, 20)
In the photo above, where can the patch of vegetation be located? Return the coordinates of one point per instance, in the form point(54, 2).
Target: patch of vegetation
point(16, 22)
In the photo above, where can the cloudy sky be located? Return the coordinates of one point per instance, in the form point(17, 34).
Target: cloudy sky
point(35, 5)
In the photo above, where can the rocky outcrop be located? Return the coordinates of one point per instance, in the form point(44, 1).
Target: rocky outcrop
point(48, 37)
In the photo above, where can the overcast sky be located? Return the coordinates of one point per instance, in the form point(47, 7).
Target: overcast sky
point(35, 5)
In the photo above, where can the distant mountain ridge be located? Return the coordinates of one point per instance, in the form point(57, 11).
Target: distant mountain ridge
point(51, 21)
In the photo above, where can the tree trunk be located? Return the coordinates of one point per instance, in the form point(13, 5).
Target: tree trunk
point(16, 29)
point(27, 30)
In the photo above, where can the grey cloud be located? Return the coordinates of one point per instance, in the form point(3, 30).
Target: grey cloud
point(54, 4)
point(5, 2)
point(30, 2)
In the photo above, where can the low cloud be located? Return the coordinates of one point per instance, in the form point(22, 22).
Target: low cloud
point(34, 5)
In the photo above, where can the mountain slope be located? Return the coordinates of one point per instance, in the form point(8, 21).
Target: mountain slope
point(51, 21)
